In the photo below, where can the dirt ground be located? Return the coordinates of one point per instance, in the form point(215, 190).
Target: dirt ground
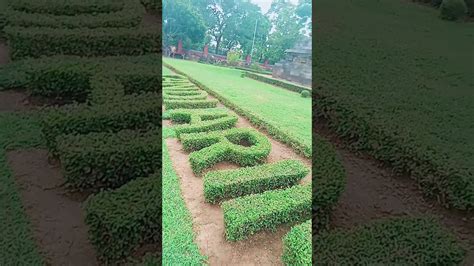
point(373, 192)
point(11, 101)
point(4, 53)
point(56, 217)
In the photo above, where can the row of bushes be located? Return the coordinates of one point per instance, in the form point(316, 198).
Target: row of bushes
point(250, 214)
point(329, 181)
point(122, 220)
point(37, 42)
point(201, 122)
point(297, 245)
point(132, 112)
point(67, 7)
point(396, 241)
point(191, 104)
point(130, 16)
point(108, 160)
point(227, 184)
point(298, 144)
point(213, 147)
point(278, 83)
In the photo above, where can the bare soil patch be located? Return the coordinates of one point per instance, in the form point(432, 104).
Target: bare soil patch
point(11, 101)
point(57, 220)
point(4, 54)
point(374, 192)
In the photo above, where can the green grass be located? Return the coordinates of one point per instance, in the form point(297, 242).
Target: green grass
point(279, 108)
point(17, 247)
point(409, 81)
point(167, 71)
point(178, 235)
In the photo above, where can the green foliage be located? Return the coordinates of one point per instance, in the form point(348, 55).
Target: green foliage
point(305, 94)
point(130, 16)
point(190, 104)
point(279, 83)
point(329, 181)
point(248, 215)
point(201, 120)
point(120, 221)
point(181, 21)
point(289, 123)
point(233, 57)
point(453, 9)
point(397, 241)
point(17, 245)
point(227, 184)
point(67, 7)
point(108, 160)
point(131, 112)
point(36, 42)
point(217, 146)
point(409, 123)
point(297, 245)
point(178, 235)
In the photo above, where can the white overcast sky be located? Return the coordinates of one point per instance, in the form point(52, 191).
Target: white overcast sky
point(265, 4)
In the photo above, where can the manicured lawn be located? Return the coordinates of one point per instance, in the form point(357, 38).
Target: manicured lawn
point(167, 71)
point(17, 246)
point(276, 106)
point(402, 70)
point(178, 235)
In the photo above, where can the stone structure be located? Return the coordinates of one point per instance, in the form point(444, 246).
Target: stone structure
point(297, 65)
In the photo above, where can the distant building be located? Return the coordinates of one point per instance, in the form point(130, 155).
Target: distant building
point(297, 65)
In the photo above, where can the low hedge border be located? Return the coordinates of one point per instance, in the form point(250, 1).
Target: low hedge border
point(130, 16)
point(40, 41)
point(213, 147)
point(227, 184)
point(395, 241)
point(297, 245)
point(70, 7)
point(201, 120)
point(248, 215)
point(191, 104)
point(329, 181)
point(108, 160)
point(122, 220)
point(437, 175)
point(201, 96)
point(131, 112)
point(298, 145)
point(278, 83)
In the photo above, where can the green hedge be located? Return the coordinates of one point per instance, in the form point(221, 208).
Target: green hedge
point(250, 214)
point(201, 120)
point(108, 160)
point(191, 104)
point(132, 112)
point(227, 184)
point(67, 7)
point(396, 241)
point(37, 42)
point(278, 83)
point(201, 96)
point(329, 181)
point(211, 148)
point(120, 221)
point(297, 143)
point(297, 245)
point(130, 16)
point(182, 93)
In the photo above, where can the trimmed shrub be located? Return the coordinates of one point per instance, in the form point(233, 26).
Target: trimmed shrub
point(297, 245)
point(396, 241)
point(278, 83)
point(248, 215)
point(305, 94)
point(130, 16)
point(108, 160)
point(201, 96)
point(329, 181)
point(132, 112)
point(227, 184)
point(201, 120)
point(453, 9)
point(120, 221)
point(191, 104)
point(67, 7)
point(217, 146)
point(37, 42)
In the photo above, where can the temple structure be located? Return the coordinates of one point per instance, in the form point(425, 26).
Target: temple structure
point(297, 64)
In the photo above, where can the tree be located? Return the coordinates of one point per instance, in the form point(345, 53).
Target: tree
point(182, 21)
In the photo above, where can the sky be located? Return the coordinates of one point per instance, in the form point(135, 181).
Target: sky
point(265, 4)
